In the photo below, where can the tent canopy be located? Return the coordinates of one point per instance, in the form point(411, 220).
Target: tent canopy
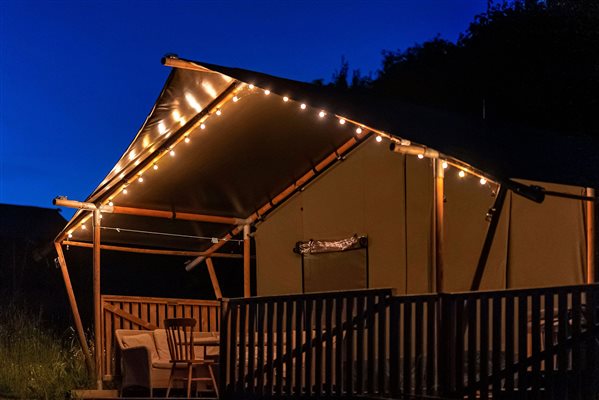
point(225, 142)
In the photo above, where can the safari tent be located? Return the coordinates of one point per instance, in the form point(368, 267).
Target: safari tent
point(339, 192)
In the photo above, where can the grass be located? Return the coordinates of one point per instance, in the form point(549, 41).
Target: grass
point(35, 362)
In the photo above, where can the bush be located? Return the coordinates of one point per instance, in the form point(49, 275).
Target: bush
point(35, 362)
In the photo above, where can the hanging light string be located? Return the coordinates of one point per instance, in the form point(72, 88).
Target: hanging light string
point(178, 235)
point(238, 93)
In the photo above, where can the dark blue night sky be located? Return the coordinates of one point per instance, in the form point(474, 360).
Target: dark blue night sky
point(77, 79)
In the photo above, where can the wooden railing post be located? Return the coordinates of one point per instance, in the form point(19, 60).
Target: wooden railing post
point(223, 347)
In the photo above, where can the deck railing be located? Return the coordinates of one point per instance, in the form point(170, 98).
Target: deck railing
point(527, 343)
point(149, 313)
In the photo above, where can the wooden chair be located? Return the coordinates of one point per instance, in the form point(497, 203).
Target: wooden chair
point(179, 334)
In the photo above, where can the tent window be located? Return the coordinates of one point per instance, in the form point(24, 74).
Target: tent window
point(334, 264)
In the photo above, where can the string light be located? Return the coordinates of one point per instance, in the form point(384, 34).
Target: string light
point(218, 112)
point(110, 203)
point(140, 179)
point(342, 121)
point(235, 99)
point(83, 227)
point(461, 174)
point(285, 99)
point(251, 86)
point(421, 156)
point(172, 153)
point(303, 106)
point(70, 235)
point(202, 126)
point(445, 165)
point(483, 181)
point(267, 92)
point(125, 191)
point(322, 114)
point(379, 138)
point(155, 167)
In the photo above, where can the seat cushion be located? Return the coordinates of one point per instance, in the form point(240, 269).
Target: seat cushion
point(164, 354)
point(142, 340)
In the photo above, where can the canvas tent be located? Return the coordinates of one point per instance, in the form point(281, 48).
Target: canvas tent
point(225, 152)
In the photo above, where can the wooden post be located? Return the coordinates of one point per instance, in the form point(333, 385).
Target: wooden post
point(590, 235)
point(246, 261)
point(439, 198)
point(97, 301)
point(74, 309)
point(214, 279)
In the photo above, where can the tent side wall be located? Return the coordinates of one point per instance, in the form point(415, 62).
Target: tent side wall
point(389, 198)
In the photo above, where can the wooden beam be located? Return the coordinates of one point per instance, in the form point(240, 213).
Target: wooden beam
point(214, 279)
point(99, 350)
point(590, 235)
point(151, 251)
point(486, 249)
point(439, 196)
point(130, 317)
point(74, 309)
point(175, 62)
point(247, 292)
point(344, 148)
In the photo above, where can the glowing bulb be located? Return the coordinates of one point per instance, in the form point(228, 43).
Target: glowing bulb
point(83, 227)
point(342, 121)
point(235, 99)
point(218, 112)
point(110, 203)
point(155, 167)
point(303, 106)
point(358, 130)
point(251, 86)
point(483, 181)
point(140, 179)
point(187, 139)
point(172, 153)
point(421, 156)
point(445, 165)
point(202, 126)
point(125, 191)
point(267, 92)
point(379, 138)
point(461, 174)
point(70, 235)
point(285, 98)
point(322, 114)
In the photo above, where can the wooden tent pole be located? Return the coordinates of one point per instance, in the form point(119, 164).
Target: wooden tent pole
point(486, 250)
point(97, 301)
point(151, 251)
point(74, 309)
point(214, 279)
point(439, 195)
point(246, 261)
point(590, 236)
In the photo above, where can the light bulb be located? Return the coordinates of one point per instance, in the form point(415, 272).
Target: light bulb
point(358, 130)
point(235, 98)
point(342, 121)
point(303, 106)
point(483, 181)
point(379, 138)
point(251, 86)
point(285, 98)
point(125, 191)
point(445, 165)
point(110, 203)
point(322, 114)
point(155, 167)
point(83, 227)
point(187, 139)
point(172, 153)
point(461, 174)
point(267, 92)
point(140, 179)
point(218, 112)
point(421, 156)
point(70, 235)
point(202, 126)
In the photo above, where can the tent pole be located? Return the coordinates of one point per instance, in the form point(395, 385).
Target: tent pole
point(97, 305)
point(246, 261)
point(590, 235)
point(484, 253)
point(151, 251)
point(74, 309)
point(214, 279)
point(439, 195)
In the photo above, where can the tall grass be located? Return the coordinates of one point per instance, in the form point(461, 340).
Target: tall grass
point(35, 362)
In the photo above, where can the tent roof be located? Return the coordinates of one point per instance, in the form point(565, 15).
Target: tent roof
point(238, 161)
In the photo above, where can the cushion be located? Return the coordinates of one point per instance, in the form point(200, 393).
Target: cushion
point(142, 340)
point(164, 353)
